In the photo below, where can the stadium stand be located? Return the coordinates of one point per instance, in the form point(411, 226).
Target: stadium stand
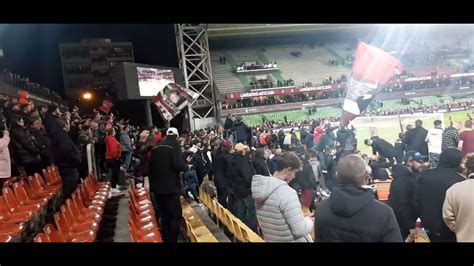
point(224, 78)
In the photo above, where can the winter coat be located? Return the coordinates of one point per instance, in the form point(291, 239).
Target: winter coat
point(434, 140)
point(5, 163)
point(220, 163)
point(402, 196)
point(125, 142)
point(112, 148)
point(415, 140)
point(259, 163)
point(431, 192)
point(43, 142)
point(458, 210)
point(279, 211)
point(164, 167)
point(450, 138)
point(305, 178)
point(64, 150)
point(228, 124)
point(352, 214)
point(384, 148)
point(24, 150)
point(240, 131)
point(240, 176)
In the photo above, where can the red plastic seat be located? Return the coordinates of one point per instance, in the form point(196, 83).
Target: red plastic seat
point(139, 236)
point(43, 184)
point(52, 234)
point(65, 231)
point(74, 225)
point(49, 177)
point(36, 185)
point(41, 238)
point(91, 199)
point(5, 238)
point(6, 216)
point(82, 217)
point(23, 197)
point(11, 229)
point(14, 206)
point(83, 207)
point(35, 194)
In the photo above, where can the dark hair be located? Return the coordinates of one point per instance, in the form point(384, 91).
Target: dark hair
point(52, 108)
point(62, 122)
point(437, 122)
point(287, 159)
point(33, 119)
point(469, 164)
point(468, 124)
point(366, 141)
point(418, 123)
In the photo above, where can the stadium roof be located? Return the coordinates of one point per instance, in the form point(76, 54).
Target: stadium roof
point(223, 31)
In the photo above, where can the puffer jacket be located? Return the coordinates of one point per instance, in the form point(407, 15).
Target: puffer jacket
point(279, 211)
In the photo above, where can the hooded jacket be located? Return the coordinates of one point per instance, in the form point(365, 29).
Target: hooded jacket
point(352, 214)
point(23, 147)
point(240, 130)
point(384, 148)
point(279, 211)
point(259, 163)
point(241, 172)
point(402, 196)
point(164, 167)
point(434, 140)
point(431, 191)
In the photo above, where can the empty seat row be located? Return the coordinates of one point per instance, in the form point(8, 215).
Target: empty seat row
point(235, 226)
point(79, 217)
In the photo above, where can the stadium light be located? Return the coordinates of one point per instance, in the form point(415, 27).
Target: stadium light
point(87, 96)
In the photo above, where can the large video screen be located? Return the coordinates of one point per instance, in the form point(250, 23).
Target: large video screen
point(152, 80)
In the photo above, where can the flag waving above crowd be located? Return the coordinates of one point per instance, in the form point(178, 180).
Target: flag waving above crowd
point(372, 68)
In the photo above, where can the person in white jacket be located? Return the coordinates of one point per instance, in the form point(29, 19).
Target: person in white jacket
point(458, 207)
point(434, 139)
point(278, 208)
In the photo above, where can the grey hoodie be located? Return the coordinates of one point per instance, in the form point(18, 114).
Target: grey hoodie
point(279, 211)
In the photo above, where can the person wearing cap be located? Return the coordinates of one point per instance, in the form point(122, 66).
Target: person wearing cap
point(164, 170)
point(220, 163)
point(431, 191)
point(241, 173)
point(402, 193)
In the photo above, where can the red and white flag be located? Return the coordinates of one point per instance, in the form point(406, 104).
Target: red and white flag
point(372, 68)
point(106, 106)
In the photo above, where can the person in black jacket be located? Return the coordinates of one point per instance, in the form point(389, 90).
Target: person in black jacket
point(164, 168)
point(259, 163)
point(240, 130)
point(66, 156)
point(402, 193)
point(399, 148)
point(198, 160)
point(220, 159)
point(41, 140)
point(415, 139)
point(431, 191)
point(306, 181)
point(241, 173)
point(382, 147)
point(228, 125)
point(25, 153)
point(352, 214)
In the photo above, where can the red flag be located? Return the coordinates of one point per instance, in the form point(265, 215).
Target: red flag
point(106, 106)
point(372, 67)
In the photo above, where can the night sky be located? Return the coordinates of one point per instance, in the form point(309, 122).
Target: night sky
point(32, 50)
